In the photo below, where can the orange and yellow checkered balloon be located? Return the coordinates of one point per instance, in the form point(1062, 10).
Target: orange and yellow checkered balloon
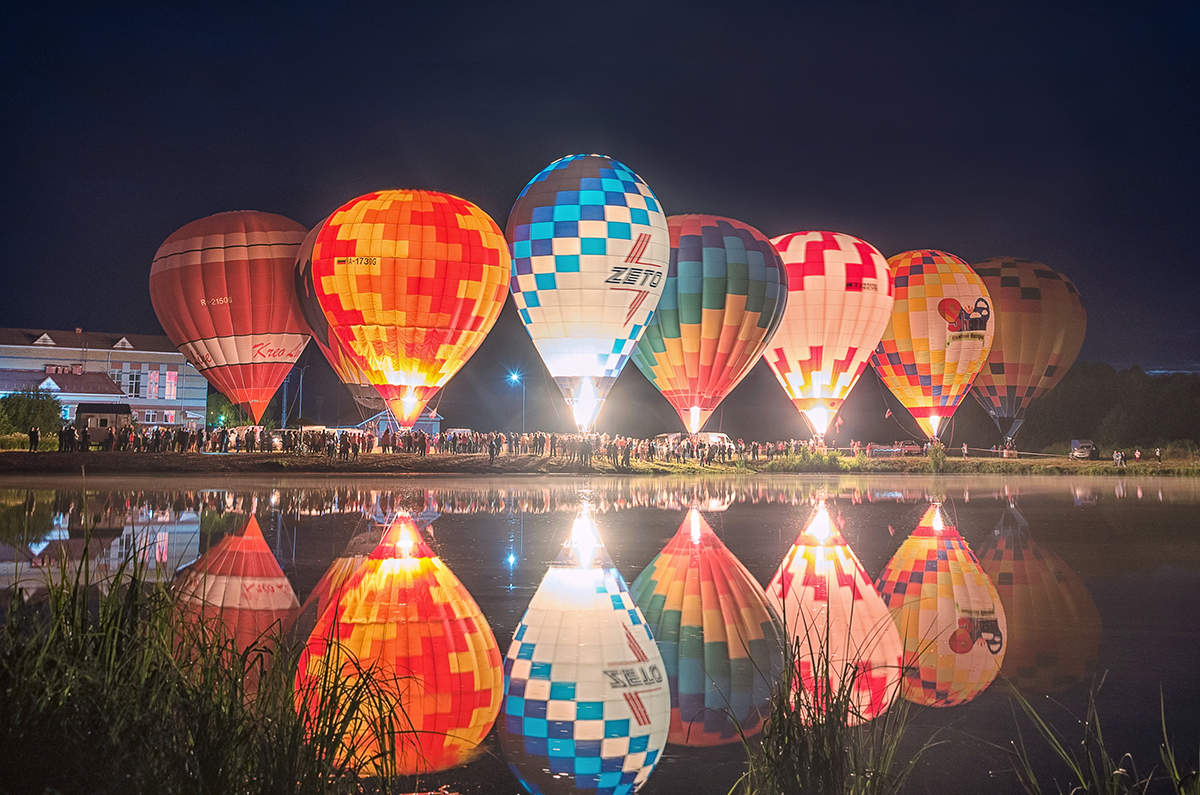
point(411, 281)
point(405, 614)
point(939, 336)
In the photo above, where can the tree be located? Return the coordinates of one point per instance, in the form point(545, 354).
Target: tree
point(222, 411)
point(20, 411)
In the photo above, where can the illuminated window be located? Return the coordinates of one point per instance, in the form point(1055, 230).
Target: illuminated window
point(172, 378)
point(169, 417)
point(152, 385)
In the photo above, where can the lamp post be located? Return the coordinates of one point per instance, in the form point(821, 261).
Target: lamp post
point(514, 378)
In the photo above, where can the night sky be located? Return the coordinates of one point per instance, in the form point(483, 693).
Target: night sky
point(1064, 136)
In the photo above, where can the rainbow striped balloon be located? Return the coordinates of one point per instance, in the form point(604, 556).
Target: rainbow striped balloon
point(721, 642)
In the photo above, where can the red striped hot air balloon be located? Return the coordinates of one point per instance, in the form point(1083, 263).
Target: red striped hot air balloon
point(410, 281)
point(405, 613)
point(222, 289)
point(830, 607)
point(239, 584)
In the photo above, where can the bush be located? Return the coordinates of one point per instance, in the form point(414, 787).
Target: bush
point(20, 411)
point(20, 441)
point(937, 458)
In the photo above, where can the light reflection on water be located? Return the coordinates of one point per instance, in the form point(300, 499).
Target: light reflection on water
point(1094, 574)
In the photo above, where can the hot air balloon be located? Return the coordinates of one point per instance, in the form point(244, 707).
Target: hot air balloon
point(586, 706)
point(1040, 323)
point(939, 335)
point(405, 613)
point(410, 281)
point(340, 359)
point(239, 585)
point(948, 613)
point(830, 608)
point(720, 641)
point(589, 263)
point(839, 303)
point(1053, 624)
point(724, 295)
point(222, 289)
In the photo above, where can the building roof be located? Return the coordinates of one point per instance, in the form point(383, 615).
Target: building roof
point(92, 340)
point(78, 384)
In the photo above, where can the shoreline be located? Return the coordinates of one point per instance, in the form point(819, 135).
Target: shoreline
point(16, 463)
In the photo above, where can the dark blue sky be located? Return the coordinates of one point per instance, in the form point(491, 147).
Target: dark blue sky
point(1067, 136)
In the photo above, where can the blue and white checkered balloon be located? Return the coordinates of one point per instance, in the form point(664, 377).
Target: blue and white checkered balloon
point(589, 247)
point(587, 706)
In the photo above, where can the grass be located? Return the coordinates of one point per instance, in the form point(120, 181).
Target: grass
point(105, 689)
point(816, 740)
point(1090, 766)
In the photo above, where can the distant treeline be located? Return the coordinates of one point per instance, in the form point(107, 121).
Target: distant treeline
point(1116, 408)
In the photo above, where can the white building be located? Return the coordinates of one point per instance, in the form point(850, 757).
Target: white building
point(144, 371)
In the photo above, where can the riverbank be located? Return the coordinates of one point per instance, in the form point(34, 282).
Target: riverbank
point(118, 463)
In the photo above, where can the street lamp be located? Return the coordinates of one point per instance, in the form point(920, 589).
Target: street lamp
point(514, 378)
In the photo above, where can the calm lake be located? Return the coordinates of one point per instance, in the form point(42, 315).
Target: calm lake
point(1108, 578)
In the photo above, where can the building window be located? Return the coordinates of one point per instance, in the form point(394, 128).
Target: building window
point(133, 383)
point(169, 417)
point(171, 387)
point(66, 412)
point(151, 416)
point(152, 385)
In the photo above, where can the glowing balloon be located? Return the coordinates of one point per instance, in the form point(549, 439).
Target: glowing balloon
point(589, 263)
point(720, 641)
point(939, 335)
point(1053, 625)
point(407, 614)
point(222, 289)
point(724, 295)
point(839, 303)
point(587, 705)
point(239, 584)
point(949, 615)
point(1040, 324)
point(335, 352)
point(411, 281)
point(830, 607)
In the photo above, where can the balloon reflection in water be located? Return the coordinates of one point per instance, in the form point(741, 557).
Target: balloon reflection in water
point(404, 613)
point(1053, 624)
point(831, 609)
point(948, 612)
point(587, 706)
point(719, 639)
point(239, 584)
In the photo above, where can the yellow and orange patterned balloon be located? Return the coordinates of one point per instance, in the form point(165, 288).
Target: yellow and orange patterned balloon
point(831, 609)
point(406, 614)
point(948, 613)
point(939, 336)
point(1040, 324)
point(411, 281)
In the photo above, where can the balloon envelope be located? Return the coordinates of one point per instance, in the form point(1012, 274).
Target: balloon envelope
point(239, 584)
point(410, 281)
point(221, 287)
point(724, 296)
point(838, 305)
point(404, 612)
point(927, 362)
point(340, 359)
point(831, 609)
point(1040, 325)
point(949, 616)
point(586, 706)
point(720, 641)
point(1054, 626)
point(589, 262)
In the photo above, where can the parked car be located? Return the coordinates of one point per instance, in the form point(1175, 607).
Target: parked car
point(908, 447)
point(1084, 449)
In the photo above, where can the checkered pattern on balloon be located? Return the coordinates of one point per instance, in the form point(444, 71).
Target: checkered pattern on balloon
point(948, 613)
point(1040, 326)
point(939, 336)
point(589, 254)
point(586, 701)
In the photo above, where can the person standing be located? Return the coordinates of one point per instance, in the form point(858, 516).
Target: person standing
point(33, 439)
point(964, 449)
